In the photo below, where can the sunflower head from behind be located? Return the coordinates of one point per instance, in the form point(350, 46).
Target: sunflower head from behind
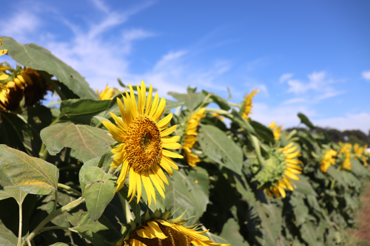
point(277, 172)
point(158, 229)
point(143, 141)
point(248, 104)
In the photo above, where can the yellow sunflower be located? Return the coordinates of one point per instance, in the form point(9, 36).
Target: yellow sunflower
point(143, 143)
point(276, 130)
point(248, 104)
point(162, 232)
point(290, 169)
point(107, 93)
point(190, 139)
point(329, 159)
point(345, 148)
point(347, 162)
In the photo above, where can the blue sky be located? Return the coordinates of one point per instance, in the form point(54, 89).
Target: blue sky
point(305, 56)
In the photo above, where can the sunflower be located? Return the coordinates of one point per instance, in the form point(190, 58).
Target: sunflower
point(107, 93)
point(347, 161)
point(23, 83)
point(143, 141)
point(248, 104)
point(329, 159)
point(217, 115)
point(3, 68)
point(345, 148)
point(276, 130)
point(286, 159)
point(162, 231)
point(191, 133)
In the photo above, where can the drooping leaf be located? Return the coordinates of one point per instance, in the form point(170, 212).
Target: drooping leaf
point(308, 233)
point(231, 233)
point(30, 174)
point(191, 100)
point(217, 146)
point(38, 58)
point(306, 121)
point(86, 142)
point(98, 192)
point(262, 131)
point(82, 110)
point(237, 118)
point(222, 103)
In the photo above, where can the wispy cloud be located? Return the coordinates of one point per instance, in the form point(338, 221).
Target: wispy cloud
point(20, 25)
point(101, 6)
point(285, 77)
point(316, 88)
point(366, 75)
point(359, 121)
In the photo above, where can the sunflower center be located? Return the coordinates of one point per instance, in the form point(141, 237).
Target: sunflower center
point(143, 144)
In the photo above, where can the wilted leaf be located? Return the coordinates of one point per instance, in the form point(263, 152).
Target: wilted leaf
point(38, 58)
point(98, 192)
point(86, 142)
point(217, 146)
point(30, 174)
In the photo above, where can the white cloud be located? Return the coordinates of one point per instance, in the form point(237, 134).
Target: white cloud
point(101, 6)
point(285, 77)
point(366, 75)
point(20, 25)
point(359, 121)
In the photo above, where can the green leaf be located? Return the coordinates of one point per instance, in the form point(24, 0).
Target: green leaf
point(59, 244)
point(86, 142)
point(217, 146)
point(222, 103)
point(263, 131)
point(306, 121)
point(308, 233)
point(215, 238)
point(231, 233)
point(7, 238)
point(171, 104)
point(38, 58)
point(237, 118)
point(13, 191)
point(30, 174)
point(98, 192)
point(303, 186)
point(191, 100)
point(82, 110)
point(300, 209)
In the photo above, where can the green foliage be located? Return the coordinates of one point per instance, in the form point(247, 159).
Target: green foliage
point(57, 183)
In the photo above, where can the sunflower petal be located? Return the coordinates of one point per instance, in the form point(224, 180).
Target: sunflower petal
point(171, 154)
point(154, 105)
point(168, 131)
point(171, 145)
point(160, 109)
point(157, 230)
point(163, 123)
point(149, 100)
point(114, 130)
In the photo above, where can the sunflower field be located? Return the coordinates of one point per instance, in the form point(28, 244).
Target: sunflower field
point(126, 167)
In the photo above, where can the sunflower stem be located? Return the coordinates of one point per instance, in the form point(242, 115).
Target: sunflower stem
point(111, 170)
point(219, 111)
point(234, 104)
point(51, 216)
point(20, 224)
point(66, 187)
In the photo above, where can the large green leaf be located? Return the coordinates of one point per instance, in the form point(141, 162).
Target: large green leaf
point(191, 100)
point(29, 174)
point(98, 192)
point(7, 238)
point(263, 132)
point(39, 58)
point(82, 110)
point(303, 186)
point(237, 118)
point(14, 192)
point(308, 233)
point(231, 233)
point(172, 104)
point(85, 141)
point(217, 146)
